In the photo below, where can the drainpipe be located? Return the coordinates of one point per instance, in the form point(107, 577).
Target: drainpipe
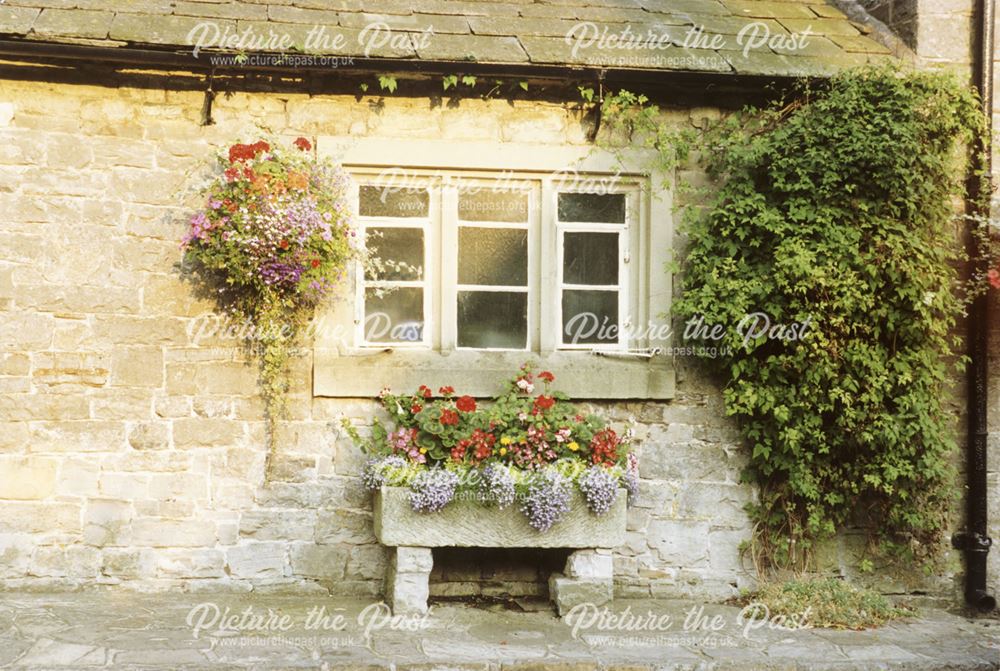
point(975, 540)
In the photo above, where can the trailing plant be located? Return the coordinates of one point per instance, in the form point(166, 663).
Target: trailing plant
point(833, 216)
point(525, 445)
point(273, 239)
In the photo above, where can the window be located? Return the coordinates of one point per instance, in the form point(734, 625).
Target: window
point(483, 238)
point(486, 266)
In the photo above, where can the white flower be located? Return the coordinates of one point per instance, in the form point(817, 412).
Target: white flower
point(929, 297)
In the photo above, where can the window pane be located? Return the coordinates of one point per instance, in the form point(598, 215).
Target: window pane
point(397, 316)
point(590, 317)
point(490, 204)
point(496, 319)
point(390, 201)
point(497, 256)
point(590, 258)
point(399, 251)
point(607, 208)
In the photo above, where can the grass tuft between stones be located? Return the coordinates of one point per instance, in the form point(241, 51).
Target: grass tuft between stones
point(827, 602)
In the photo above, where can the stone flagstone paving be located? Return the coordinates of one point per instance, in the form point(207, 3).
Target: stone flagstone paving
point(126, 630)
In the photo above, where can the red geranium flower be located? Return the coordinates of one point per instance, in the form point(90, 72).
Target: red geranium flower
point(240, 152)
point(415, 408)
point(604, 447)
point(466, 404)
point(446, 391)
point(547, 376)
point(283, 244)
point(315, 263)
point(232, 174)
point(449, 417)
point(303, 144)
point(245, 152)
point(544, 402)
point(425, 391)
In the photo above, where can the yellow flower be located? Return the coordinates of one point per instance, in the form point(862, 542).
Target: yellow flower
point(572, 445)
point(423, 450)
point(506, 440)
point(503, 451)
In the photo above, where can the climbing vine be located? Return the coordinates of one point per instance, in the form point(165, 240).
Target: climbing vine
point(832, 210)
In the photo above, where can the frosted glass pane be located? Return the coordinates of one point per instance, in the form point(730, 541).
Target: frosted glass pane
point(387, 201)
point(400, 253)
point(496, 256)
point(497, 319)
point(606, 208)
point(488, 204)
point(590, 258)
point(398, 316)
point(590, 317)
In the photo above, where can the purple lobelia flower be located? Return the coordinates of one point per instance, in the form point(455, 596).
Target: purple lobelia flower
point(282, 273)
point(373, 474)
point(599, 488)
point(547, 499)
point(496, 485)
point(432, 490)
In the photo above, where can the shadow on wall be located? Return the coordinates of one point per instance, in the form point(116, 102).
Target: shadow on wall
point(515, 572)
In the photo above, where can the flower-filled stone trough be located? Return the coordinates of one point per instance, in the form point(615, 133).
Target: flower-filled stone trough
point(524, 471)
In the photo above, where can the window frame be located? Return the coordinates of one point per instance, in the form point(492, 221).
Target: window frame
point(342, 369)
point(428, 282)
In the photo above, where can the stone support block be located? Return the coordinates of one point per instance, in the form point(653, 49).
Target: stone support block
point(407, 582)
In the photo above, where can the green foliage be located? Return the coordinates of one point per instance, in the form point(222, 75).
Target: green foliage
point(387, 83)
point(827, 602)
point(835, 211)
point(448, 81)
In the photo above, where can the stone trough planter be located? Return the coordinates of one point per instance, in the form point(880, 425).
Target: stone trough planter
point(588, 575)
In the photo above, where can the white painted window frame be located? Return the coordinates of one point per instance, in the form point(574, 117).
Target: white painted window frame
point(344, 370)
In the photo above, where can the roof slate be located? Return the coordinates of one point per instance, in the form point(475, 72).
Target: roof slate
point(768, 37)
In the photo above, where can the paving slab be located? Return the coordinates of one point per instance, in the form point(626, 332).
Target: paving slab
point(118, 629)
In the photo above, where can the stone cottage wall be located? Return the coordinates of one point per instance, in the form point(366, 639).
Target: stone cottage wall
point(131, 456)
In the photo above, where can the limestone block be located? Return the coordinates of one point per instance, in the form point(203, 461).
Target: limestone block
point(15, 554)
point(680, 543)
point(366, 562)
point(567, 593)
point(257, 560)
point(197, 432)
point(344, 526)
point(413, 560)
point(27, 477)
point(137, 367)
point(193, 563)
point(407, 583)
point(165, 533)
point(106, 522)
point(466, 523)
point(323, 562)
point(149, 436)
point(589, 564)
point(407, 593)
point(278, 524)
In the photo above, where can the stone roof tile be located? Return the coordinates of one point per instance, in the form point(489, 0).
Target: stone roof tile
point(770, 37)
